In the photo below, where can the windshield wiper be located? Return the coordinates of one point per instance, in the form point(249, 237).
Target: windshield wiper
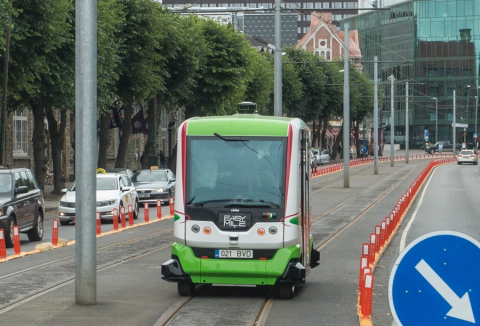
point(229, 139)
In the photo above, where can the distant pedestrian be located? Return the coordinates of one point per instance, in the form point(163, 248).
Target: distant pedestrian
point(339, 150)
point(440, 148)
point(365, 151)
point(351, 153)
point(141, 158)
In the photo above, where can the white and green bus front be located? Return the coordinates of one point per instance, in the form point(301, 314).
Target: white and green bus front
point(237, 217)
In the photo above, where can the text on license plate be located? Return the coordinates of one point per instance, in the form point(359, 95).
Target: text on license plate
point(221, 253)
point(143, 195)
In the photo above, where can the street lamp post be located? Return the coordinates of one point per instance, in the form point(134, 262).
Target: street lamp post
point(392, 121)
point(436, 119)
point(476, 114)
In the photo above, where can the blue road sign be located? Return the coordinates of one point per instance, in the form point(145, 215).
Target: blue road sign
point(426, 133)
point(435, 281)
point(475, 135)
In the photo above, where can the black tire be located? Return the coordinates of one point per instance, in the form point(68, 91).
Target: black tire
point(9, 232)
point(36, 234)
point(459, 163)
point(186, 289)
point(135, 210)
point(64, 222)
point(286, 291)
point(432, 151)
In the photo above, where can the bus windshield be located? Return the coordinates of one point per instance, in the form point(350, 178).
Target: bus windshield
point(223, 173)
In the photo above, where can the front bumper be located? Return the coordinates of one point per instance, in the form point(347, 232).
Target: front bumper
point(283, 267)
point(106, 213)
point(148, 196)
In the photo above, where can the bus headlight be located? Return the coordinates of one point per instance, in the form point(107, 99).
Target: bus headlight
point(195, 228)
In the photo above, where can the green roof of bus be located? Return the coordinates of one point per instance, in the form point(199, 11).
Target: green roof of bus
point(239, 125)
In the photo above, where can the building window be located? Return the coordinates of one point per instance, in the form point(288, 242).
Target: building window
point(432, 72)
point(432, 116)
point(466, 72)
point(328, 55)
point(322, 54)
point(20, 132)
point(450, 117)
point(448, 72)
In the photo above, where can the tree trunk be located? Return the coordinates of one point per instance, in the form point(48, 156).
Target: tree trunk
point(121, 161)
point(324, 133)
point(149, 150)
point(38, 141)
point(313, 135)
point(56, 132)
point(337, 142)
point(172, 161)
point(104, 140)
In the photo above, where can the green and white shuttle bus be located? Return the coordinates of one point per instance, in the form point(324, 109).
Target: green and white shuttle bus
point(242, 204)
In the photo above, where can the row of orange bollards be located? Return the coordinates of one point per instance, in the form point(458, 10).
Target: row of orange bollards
point(319, 171)
point(379, 240)
point(55, 222)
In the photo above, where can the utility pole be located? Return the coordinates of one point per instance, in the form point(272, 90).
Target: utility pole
point(277, 107)
point(3, 118)
point(392, 121)
point(85, 139)
point(407, 127)
point(346, 110)
point(436, 120)
point(454, 125)
point(375, 117)
point(476, 114)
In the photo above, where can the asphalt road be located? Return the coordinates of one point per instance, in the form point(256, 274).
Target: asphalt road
point(67, 232)
point(130, 291)
point(450, 202)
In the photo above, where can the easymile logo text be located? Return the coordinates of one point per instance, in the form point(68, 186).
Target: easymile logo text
point(235, 221)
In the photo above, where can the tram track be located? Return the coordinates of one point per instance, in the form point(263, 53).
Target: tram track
point(263, 299)
point(258, 315)
point(22, 286)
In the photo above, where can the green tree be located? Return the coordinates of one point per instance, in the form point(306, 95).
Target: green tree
point(310, 72)
point(40, 77)
point(223, 77)
point(141, 71)
point(260, 86)
point(183, 50)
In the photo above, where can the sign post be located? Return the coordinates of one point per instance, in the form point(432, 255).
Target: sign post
point(435, 281)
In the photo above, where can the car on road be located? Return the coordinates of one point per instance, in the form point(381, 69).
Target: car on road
point(447, 147)
point(467, 156)
point(324, 157)
point(114, 190)
point(21, 204)
point(153, 184)
point(126, 171)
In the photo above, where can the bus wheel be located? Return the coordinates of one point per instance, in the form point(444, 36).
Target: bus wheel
point(286, 291)
point(185, 289)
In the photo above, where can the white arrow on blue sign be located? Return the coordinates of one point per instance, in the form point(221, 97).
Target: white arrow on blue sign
point(475, 135)
point(436, 281)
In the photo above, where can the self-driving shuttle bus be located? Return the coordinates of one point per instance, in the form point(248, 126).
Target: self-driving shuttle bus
point(242, 210)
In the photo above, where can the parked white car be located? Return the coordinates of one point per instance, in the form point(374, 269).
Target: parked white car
point(114, 190)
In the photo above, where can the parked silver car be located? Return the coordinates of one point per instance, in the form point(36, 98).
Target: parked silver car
point(324, 157)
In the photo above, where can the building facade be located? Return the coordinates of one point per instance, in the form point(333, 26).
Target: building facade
point(434, 45)
point(302, 10)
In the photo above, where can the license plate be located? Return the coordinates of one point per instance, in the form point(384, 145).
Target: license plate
point(234, 220)
point(143, 195)
point(222, 253)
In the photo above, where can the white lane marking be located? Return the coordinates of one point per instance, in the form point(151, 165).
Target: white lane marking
point(407, 228)
point(461, 307)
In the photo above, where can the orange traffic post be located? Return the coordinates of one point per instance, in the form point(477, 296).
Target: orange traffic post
point(122, 217)
point(388, 228)
point(3, 248)
point(115, 219)
point(159, 208)
point(99, 224)
point(366, 270)
point(146, 212)
point(171, 206)
point(378, 230)
point(55, 232)
point(130, 215)
point(371, 249)
point(16, 240)
point(366, 301)
point(383, 227)
point(363, 264)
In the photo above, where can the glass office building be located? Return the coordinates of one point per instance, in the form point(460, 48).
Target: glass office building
point(434, 45)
